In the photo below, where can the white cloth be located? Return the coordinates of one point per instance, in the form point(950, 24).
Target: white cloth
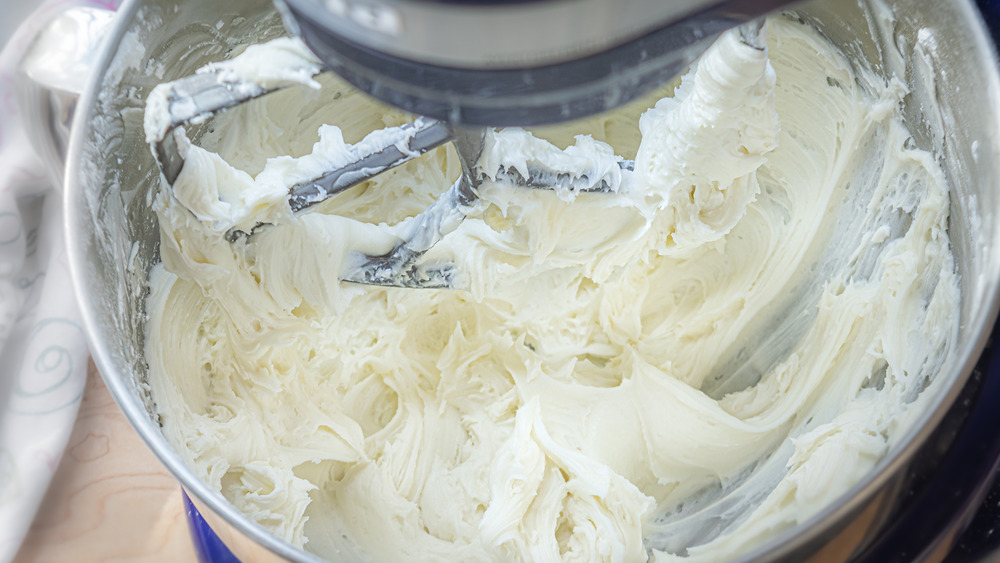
point(43, 354)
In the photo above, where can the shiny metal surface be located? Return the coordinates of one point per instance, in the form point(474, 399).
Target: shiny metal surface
point(524, 63)
point(480, 35)
point(113, 237)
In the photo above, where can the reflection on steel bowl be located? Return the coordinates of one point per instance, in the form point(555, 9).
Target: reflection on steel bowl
point(797, 333)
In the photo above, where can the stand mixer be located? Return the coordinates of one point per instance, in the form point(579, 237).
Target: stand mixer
point(503, 63)
point(466, 67)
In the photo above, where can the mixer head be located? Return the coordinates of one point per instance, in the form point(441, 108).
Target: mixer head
point(512, 62)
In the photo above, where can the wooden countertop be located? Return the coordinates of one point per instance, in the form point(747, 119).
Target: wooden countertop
point(110, 499)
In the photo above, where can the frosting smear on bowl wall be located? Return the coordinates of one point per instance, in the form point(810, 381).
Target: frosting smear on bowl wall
point(703, 357)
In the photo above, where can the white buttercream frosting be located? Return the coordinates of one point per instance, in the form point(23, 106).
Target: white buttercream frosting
point(278, 63)
point(707, 355)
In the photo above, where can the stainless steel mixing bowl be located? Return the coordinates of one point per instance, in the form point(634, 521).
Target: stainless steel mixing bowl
point(113, 236)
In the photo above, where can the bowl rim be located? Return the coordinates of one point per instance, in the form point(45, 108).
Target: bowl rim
point(783, 544)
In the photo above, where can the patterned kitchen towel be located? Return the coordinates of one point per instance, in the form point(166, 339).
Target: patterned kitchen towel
point(43, 354)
